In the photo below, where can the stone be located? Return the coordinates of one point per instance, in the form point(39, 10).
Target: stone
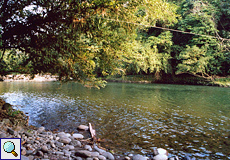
point(10, 131)
point(69, 147)
point(52, 144)
point(59, 153)
point(46, 157)
point(68, 135)
point(7, 107)
point(65, 140)
point(83, 127)
point(31, 157)
point(30, 142)
point(41, 129)
point(83, 153)
point(39, 153)
point(127, 158)
point(108, 155)
point(101, 151)
point(2, 135)
point(101, 157)
point(76, 143)
point(29, 152)
point(94, 154)
point(139, 157)
point(77, 158)
point(28, 134)
point(88, 147)
point(160, 157)
point(6, 121)
point(67, 153)
point(78, 136)
point(24, 158)
point(59, 144)
point(23, 152)
point(95, 158)
point(61, 134)
point(161, 151)
point(44, 148)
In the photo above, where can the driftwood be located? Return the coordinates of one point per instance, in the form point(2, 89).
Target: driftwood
point(92, 132)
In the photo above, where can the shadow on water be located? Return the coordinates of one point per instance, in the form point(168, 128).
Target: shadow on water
point(133, 118)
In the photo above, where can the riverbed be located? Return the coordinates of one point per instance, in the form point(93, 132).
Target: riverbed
point(132, 118)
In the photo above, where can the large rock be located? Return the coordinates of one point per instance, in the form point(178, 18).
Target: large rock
point(7, 107)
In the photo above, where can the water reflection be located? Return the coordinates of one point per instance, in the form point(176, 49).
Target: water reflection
point(133, 118)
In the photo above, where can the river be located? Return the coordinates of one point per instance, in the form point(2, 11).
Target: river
point(132, 118)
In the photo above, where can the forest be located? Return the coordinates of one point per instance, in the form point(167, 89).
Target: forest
point(89, 40)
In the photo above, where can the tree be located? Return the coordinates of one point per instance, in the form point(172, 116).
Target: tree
point(201, 55)
point(74, 39)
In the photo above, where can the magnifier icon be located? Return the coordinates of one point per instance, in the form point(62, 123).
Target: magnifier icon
point(9, 147)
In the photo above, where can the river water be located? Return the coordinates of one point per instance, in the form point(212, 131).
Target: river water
point(133, 118)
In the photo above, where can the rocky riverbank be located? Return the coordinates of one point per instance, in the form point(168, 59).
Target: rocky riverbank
point(38, 143)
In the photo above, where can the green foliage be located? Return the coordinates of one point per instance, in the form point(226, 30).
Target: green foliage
point(14, 113)
point(201, 55)
point(193, 60)
point(150, 56)
point(76, 40)
point(86, 40)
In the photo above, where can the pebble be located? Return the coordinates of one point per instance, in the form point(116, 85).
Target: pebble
point(41, 129)
point(101, 151)
point(2, 135)
point(24, 158)
point(160, 157)
point(65, 140)
point(127, 158)
point(83, 153)
point(10, 131)
point(23, 152)
point(78, 136)
point(39, 153)
point(139, 157)
point(88, 147)
point(83, 127)
point(101, 157)
point(108, 155)
point(44, 145)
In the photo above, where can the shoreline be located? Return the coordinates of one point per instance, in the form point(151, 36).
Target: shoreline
point(185, 79)
point(28, 78)
point(180, 80)
point(38, 143)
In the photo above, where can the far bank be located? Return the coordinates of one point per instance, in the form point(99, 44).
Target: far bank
point(184, 78)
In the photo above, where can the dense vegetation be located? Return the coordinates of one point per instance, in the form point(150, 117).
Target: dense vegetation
point(87, 40)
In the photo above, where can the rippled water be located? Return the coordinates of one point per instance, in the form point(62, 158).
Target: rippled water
point(133, 118)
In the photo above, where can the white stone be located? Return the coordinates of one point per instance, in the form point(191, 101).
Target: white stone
point(160, 157)
point(77, 135)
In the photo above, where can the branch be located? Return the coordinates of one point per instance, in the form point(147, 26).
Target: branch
point(4, 50)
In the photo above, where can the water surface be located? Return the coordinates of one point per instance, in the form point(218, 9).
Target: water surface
point(133, 118)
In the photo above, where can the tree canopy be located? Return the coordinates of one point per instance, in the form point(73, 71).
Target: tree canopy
point(84, 40)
